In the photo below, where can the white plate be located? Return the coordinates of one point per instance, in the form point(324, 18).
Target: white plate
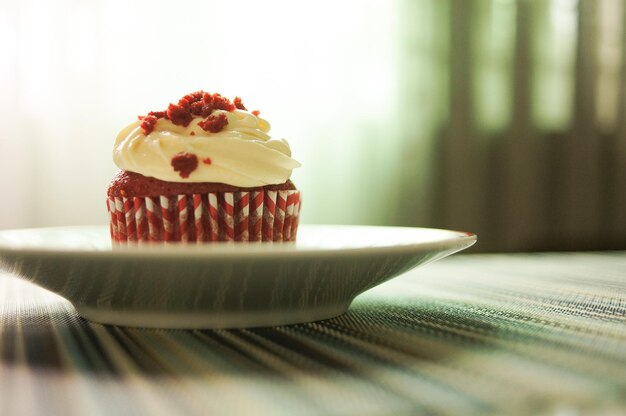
point(220, 285)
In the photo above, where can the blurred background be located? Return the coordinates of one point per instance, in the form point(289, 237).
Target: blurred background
point(502, 117)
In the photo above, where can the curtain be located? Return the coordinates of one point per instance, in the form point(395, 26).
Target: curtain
point(525, 131)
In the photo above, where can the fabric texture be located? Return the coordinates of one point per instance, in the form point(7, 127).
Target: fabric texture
point(472, 334)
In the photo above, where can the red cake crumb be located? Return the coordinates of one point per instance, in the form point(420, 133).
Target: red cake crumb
point(193, 133)
point(204, 106)
point(198, 108)
point(193, 97)
point(150, 120)
point(147, 124)
point(206, 161)
point(256, 112)
point(199, 104)
point(214, 123)
point(179, 115)
point(158, 114)
point(184, 163)
point(239, 104)
point(221, 103)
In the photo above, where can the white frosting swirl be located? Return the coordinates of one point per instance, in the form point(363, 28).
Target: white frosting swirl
point(242, 154)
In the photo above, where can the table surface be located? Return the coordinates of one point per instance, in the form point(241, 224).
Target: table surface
point(471, 334)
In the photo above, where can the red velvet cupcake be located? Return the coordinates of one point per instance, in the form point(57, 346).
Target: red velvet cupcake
point(203, 170)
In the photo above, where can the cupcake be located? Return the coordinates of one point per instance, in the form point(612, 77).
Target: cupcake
point(204, 170)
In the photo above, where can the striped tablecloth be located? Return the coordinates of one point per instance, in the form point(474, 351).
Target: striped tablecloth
point(472, 334)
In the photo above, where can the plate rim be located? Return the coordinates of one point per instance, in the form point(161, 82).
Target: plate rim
point(459, 239)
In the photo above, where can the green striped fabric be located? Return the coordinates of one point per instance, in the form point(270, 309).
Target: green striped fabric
point(472, 334)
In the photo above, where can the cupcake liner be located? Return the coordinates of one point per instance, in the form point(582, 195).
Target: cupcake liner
point(199, 218)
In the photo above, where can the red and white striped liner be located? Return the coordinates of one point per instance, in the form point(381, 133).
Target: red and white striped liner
point(221, 216)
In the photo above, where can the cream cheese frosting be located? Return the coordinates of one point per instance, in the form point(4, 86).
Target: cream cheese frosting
point(242, 154)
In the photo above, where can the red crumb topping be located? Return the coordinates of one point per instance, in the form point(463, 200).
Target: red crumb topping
point(214, 123)
point(148, 123)
point(158, 114)
point(239, 104)
point(222, 103)
point(256, 112)
point(193, 133)
point(199, 104)
point(193, 97)
point(184, 163)
point(179, 115)
point(206, 160)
